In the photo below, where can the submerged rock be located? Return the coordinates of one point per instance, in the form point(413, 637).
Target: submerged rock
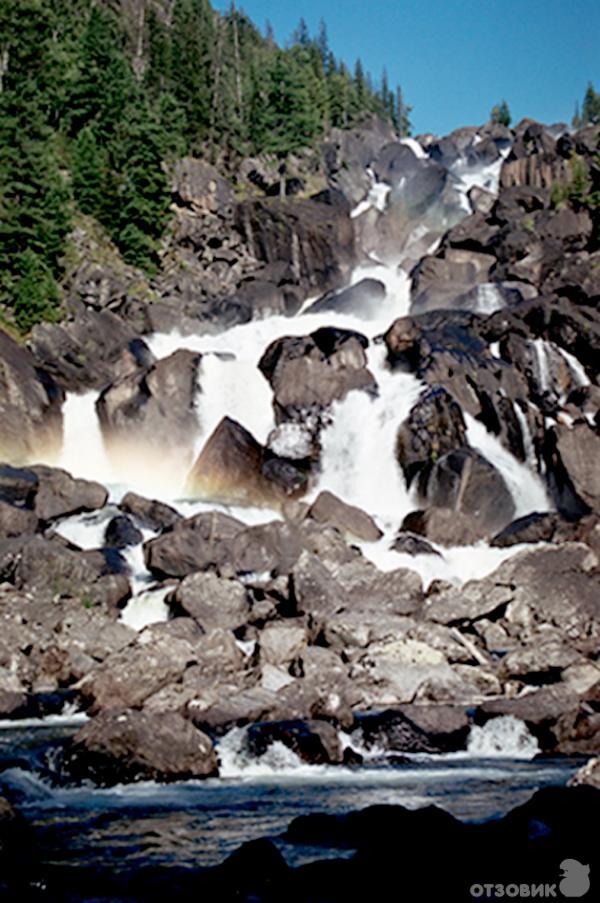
point(315, 742)
point(119, 746)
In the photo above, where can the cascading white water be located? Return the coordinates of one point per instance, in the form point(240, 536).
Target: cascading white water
point(358, 449)
point(505, 737)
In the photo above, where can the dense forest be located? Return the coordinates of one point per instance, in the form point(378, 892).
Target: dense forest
point(95, 96)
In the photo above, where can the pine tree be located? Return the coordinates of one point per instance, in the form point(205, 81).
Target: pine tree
point(34, 198)
point(590, 109)
point(36, 295)
point(192, 48)
point(301, 34)
point(90, 176)
point(323, 42)
point(500, 114)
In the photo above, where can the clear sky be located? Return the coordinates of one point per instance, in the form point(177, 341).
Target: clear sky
point(456, 58)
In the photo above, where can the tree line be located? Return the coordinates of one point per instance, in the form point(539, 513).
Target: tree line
point(95, 96)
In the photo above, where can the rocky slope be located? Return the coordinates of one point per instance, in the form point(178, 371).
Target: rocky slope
point(288, 624)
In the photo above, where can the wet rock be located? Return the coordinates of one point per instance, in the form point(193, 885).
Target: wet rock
point(450, 281)
point(579, 448)
point(363, 300)
point(194, 544)
point(315, 742)
point(465, 481)
point(122, 746)
point(30, 406)
point(59, 494)
point(536, 527)
point(148, 417)
point(213, 601)
point(349, 520)
point(121, 533)
point(434, 427)
point(349, 152)
point(149, 513)
point(415, 728)
point(308, 373)
point(408, 543)
point(16, 521)
point(245, 707)
point(443, 526)
point(234, 468)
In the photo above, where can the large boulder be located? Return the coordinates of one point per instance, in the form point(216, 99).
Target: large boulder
point(213, 601)
point(579, 449)
point(30, 406)
point(200, 187)
point(235, 469)
point(434, 427)
point(194, 544)
point(349, 520)
point(308, 373)
point(59, 494)
point(362, 300)
point(317, 239)
point(465, 481)
point(89, 351)
point(315, 742)
point(149, 513)
point(123, 746)
point(148, 418)
point(15, 521)
point(349, 152)
point(159, 655)
point(50, 570)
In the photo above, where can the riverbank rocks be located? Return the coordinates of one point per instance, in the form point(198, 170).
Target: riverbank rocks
point(193, 544)
point(213, 602)
point(149, 513)
point(415, 728)
point(130, 746)
point(148, 418)
point(30, 406)
point(588, 775)
point(59, 494)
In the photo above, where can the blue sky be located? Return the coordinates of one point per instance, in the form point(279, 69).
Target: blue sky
point(456, 58)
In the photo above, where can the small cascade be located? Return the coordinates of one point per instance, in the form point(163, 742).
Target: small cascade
point(376, 198)
point(83, 453)
point(505, 737)
point(526, 487)
point(358, 449)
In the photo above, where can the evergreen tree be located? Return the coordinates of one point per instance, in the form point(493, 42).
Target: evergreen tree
point(301, 35)
point(323, 42)
point(500, 113)
point(34, 198)
point(590, 109)
point(90, 177)
point(192, 45)
point(36, 295)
